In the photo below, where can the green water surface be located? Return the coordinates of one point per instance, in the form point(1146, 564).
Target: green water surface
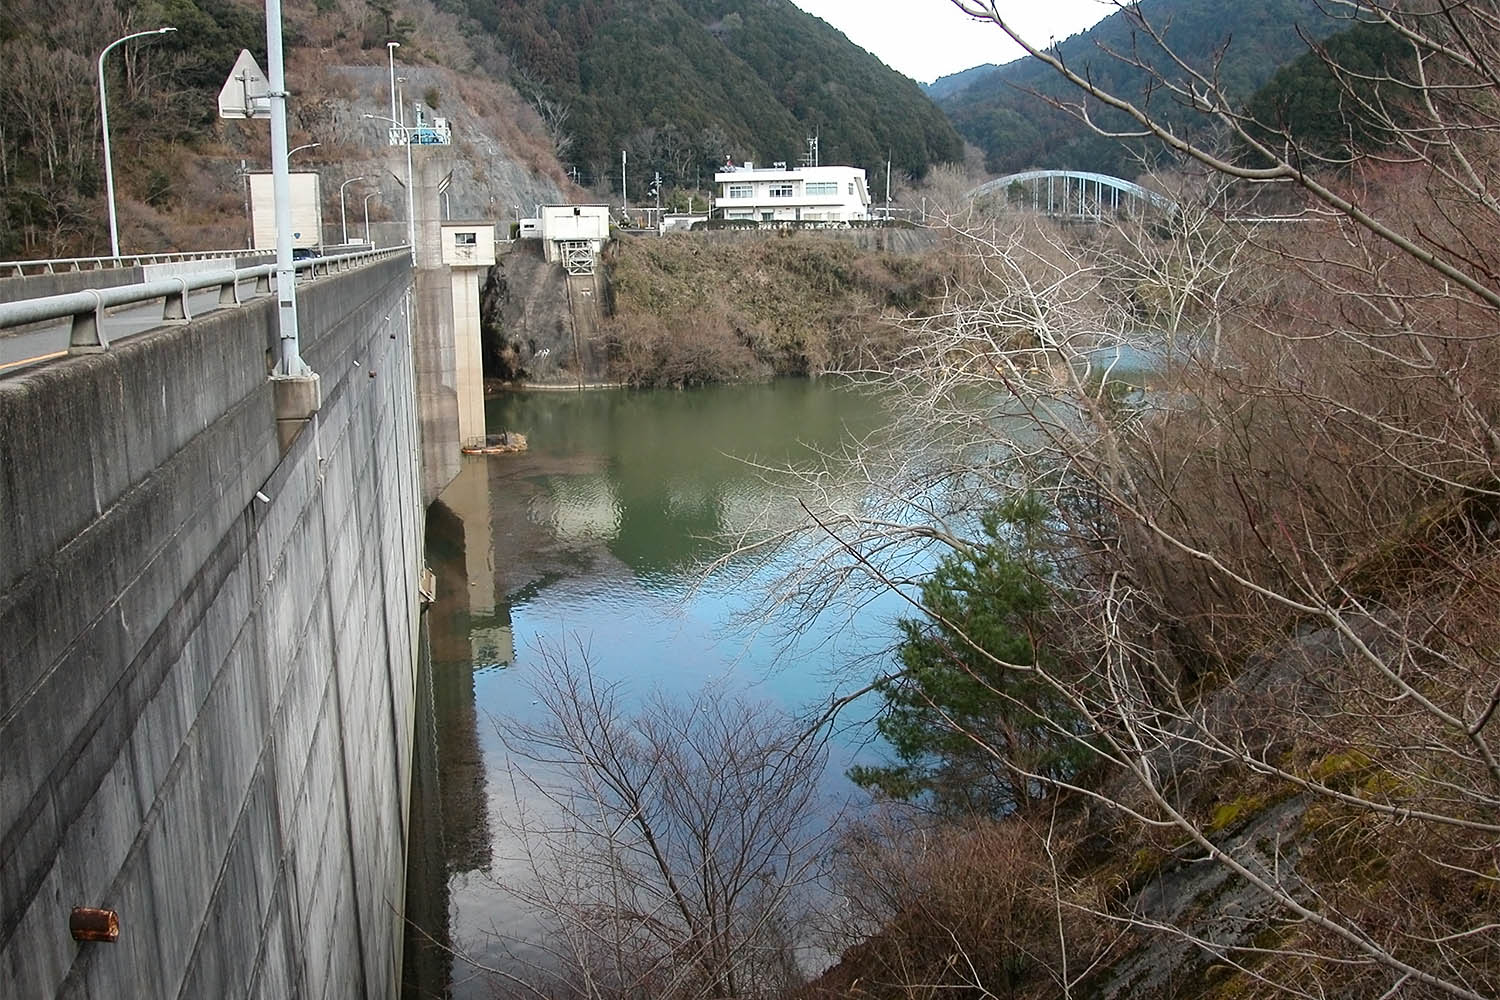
point(595, 538)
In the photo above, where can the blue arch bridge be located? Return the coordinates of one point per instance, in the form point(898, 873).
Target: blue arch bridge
point(1072, 194)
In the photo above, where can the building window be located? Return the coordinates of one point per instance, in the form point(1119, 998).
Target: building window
point(783, 190)
point(822, 187)
point(466, 239)
point(851, 187)
point(741, 191)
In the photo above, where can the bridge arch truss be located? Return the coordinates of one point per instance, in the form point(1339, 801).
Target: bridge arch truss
point(1073, 194)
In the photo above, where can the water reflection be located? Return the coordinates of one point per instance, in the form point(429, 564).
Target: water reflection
point(426, 969)
point(459, 553)
point(593, 536)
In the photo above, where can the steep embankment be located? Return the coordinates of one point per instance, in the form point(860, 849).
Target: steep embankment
point(528, 333)
point(694, 310)
point(712, 307)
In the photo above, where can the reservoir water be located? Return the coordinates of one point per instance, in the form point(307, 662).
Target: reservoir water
point(595, 538)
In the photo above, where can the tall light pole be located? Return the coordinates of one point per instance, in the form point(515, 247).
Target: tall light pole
point(343, 220)
point(109, 169)
point(367, 217)
point(289, 361)
point(390, 48)
point(297, 149)
point(411, 201)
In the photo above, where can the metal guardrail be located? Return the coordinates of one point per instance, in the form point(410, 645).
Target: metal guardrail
point(87, 308)
point(72, 265)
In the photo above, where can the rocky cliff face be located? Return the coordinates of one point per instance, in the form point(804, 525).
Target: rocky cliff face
point(537, 329)
point(499, 170)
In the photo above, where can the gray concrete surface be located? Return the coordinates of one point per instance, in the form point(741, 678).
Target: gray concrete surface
point(205, 699)
point(32, 286)
point(434, 348)
point(20, 349)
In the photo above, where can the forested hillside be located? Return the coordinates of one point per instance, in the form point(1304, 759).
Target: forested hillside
point(179, 169)
point(1328, 115)
point(161, 96)
point(535, 88)
point(1246, 42)
point(684, 83)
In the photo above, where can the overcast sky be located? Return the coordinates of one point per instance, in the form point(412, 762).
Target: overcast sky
point(926, 39)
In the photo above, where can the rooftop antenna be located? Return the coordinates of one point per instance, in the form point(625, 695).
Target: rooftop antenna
point(810, 158)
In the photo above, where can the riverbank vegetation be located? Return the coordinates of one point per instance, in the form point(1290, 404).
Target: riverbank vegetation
point(1269, 629)
point(688, 310)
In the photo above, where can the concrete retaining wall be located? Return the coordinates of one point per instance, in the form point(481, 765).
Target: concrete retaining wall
point(205, 699)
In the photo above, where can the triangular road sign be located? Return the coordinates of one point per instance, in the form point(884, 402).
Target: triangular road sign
point(244, 94)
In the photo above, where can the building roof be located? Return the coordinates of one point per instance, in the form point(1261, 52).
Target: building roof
point(743, 173)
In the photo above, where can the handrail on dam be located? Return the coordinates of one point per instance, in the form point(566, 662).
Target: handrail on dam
point(71, 265)
point(87, 308)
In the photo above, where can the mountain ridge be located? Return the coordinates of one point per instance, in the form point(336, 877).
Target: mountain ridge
point(951, 83)
point(693, 81)
point(1243, 43)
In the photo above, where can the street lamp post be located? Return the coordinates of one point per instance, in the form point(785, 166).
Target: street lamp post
point(109, 170)
point(367, 218)
point(390, 48)
point(411, 201)
point(343, 219)
point(289, 362)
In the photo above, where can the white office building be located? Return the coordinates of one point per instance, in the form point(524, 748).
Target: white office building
point(795, 194)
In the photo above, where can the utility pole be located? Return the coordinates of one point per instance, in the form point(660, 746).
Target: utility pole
point(624, 198)
point(810, 158)
point(244, 174)
point(390, 48)
point(888, 185)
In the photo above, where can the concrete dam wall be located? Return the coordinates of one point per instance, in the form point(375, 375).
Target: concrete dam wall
point(207, 657)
